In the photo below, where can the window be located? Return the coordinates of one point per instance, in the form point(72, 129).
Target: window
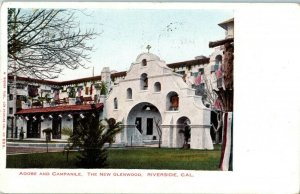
point(144, 81)
point(181, 72)
point(201, 70)
point(138, 124)
point(11, 110)
point(212, 68)
point(172, 101)
point(86, 90)
point(11, 97)
point(129, 93)
point(218, 61)
point(115, 103)
point(157, 87)
point(144, 62)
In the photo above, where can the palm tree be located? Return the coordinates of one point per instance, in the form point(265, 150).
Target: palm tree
point(104, 88)
point(90, 137)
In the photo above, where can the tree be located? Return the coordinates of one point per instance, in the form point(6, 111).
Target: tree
point(42, 42)
point(210, 96)
point(103, 88)
point(159, 132)
point(90, 137)
point(186, 131)
point(219, 127)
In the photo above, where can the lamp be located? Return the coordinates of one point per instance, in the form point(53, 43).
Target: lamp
point(81, 116)
point(50, 117)
point(42, 117)
point(60, 116)
point(34, 118)
point(70, 116)
point(27, 119)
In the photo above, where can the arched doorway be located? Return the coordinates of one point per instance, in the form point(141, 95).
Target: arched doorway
point(143, 123)
point(183, 131)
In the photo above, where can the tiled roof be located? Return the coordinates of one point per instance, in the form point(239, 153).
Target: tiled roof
point(118, 74)
point(62, 108)
point(189, 63)
point(33, 80)
point(225, 23)
point(81, 80)
point(98, 78)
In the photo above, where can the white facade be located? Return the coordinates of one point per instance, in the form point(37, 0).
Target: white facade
point(131, 99)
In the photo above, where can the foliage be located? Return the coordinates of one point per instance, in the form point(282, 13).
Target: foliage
point(129, 158)
point(66, 131)
point(90, 137)
point(72, 92)
point(48, 98)
point(42, 42)
point(104, 89)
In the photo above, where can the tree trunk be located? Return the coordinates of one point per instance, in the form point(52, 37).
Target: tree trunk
point(217, 137)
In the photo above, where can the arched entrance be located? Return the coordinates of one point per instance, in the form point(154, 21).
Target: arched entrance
point(183, 134)
point(142, 123)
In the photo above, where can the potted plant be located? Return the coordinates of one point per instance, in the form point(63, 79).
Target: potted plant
point(186, 131)
point(72, 95)
point(48, 99)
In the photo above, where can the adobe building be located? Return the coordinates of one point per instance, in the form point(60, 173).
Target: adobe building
point(152, 97)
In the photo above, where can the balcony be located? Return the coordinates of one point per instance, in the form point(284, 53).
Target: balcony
point(38, 103)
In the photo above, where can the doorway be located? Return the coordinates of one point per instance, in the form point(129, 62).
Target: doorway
point(56, 127)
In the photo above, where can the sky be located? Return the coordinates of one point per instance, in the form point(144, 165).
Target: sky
point(174, 35)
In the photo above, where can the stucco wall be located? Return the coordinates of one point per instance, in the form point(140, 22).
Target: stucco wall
point(189, 105)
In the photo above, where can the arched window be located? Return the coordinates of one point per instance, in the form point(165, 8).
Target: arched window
point(115, 103)
point(129, 93)
point(172, 101)
point(144, 62)
point(157, 87)
point(218, 60)
point(144, 81)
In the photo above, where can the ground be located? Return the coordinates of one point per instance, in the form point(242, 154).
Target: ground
point(127, 158)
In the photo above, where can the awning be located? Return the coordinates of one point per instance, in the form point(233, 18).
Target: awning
point(61, 109)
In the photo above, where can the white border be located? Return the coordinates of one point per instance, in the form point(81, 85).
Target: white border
point(266, 121)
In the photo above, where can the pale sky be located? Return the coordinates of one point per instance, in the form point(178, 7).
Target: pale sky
point(174, 35)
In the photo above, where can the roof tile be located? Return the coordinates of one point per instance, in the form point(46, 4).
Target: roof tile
point(62, 108)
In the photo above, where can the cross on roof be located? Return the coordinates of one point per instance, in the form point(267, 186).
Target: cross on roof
point(148, 47)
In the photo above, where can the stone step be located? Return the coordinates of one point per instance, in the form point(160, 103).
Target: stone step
point(150, 142)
